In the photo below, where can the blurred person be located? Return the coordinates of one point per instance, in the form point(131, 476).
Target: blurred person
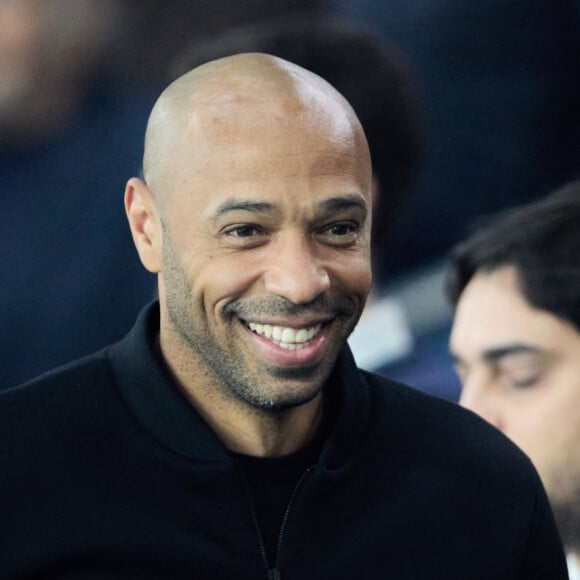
point(48, 50)
point(230, 434)
point(515, 285)
point(68, 137)
point(501, 91)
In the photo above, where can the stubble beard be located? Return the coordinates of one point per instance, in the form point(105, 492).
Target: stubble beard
point(224, 367)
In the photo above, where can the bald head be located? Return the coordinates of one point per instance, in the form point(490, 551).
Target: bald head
point(214, 113)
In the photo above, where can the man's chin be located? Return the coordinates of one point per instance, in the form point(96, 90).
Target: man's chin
point(281, 394)
point(280, 405)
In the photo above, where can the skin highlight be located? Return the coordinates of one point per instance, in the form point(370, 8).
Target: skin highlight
point(520, 370)
point(255, 211)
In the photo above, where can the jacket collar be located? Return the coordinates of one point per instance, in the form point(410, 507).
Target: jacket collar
point(164, 411)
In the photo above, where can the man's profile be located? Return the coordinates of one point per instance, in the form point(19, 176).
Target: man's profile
point(515, 284)
point(230, 434)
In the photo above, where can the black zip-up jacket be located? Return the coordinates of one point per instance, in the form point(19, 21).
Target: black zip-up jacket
point(106, 471)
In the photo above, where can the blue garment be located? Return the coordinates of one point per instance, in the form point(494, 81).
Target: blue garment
point(71, 279)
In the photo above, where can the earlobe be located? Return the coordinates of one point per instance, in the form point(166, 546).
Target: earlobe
point(144, 223)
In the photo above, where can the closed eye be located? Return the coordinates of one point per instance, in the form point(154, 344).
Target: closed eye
point(525, 383)
point(523, 378)
point(524, 369)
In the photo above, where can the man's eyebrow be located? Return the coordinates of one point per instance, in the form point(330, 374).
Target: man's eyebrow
point(500, 352)
point(243, 205)
point(331, 205)
point(344, 202)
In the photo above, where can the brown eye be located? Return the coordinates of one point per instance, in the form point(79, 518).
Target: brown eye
point(340, 233)
point(244, 231)
point(340, 229)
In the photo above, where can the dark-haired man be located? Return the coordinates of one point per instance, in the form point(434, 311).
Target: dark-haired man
point(515, 285)
point(230, 434)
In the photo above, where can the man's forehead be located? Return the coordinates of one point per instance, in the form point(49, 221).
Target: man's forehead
point(242, 138)
point(247, 115)
point(493, 315)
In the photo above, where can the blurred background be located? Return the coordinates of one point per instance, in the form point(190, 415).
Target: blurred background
point(470, 107)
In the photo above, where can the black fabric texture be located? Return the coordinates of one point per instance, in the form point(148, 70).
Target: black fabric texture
point(271, 481)
point(109, 473)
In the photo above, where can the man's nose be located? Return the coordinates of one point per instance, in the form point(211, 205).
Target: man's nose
point(295, 271)
point(477, 396)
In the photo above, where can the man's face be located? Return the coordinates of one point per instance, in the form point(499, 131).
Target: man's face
point(266, 254)
point(520, 370)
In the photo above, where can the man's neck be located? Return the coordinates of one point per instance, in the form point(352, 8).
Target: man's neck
point(264, 433)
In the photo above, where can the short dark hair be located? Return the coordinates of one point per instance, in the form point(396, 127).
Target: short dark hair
point(373, 77)
point(541, 240)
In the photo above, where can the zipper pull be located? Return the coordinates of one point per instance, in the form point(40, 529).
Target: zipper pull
point(274, 574)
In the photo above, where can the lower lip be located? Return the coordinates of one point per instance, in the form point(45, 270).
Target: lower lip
point(281, 357)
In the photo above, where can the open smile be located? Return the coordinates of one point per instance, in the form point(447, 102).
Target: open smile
point(285, 336)
point(290, 346)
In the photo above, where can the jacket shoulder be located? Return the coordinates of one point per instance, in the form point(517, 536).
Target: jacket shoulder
point(458, 466)
point(71, 390)
point(458, 438)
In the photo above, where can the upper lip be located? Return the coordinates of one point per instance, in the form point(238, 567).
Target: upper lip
point(294, 323)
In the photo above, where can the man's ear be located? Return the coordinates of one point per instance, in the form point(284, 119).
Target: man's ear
point(144, 223)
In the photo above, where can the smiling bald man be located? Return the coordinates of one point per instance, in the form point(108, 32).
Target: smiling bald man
point(230, 434)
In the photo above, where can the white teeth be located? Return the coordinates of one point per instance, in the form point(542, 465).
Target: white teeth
point(284, 336)
point(288, 335)
point(301, 335)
